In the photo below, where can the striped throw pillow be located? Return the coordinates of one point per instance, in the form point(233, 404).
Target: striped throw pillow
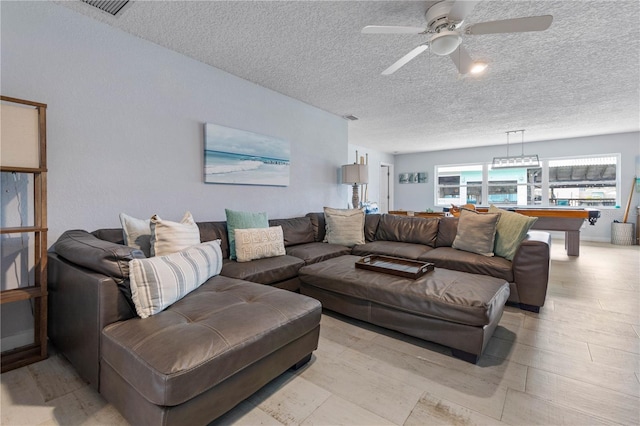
point(169, 237)
point(158, 282)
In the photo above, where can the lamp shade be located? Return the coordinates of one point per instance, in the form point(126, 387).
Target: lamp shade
point(355, 174)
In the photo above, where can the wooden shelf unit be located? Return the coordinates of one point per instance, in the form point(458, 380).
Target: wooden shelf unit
point(36, 293)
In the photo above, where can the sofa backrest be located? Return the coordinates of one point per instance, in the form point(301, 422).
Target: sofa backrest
point(447, 230)
point(297, 230)
point(371, 223)
point(408, 229)
point(210, 231)
point(318, 224)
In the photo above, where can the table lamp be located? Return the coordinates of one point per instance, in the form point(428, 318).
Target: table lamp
point(355, 174)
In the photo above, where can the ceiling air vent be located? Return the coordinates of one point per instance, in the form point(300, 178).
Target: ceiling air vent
point(350, 117)
point(111, 7)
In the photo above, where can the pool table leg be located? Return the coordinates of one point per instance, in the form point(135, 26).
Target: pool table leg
point(572, 243)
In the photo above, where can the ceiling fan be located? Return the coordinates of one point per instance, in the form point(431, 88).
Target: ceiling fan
point(444, 25)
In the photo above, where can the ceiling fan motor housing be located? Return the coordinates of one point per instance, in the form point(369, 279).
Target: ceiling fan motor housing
point(437, 16)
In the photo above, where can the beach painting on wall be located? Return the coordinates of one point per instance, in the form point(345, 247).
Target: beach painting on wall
point(239, 157)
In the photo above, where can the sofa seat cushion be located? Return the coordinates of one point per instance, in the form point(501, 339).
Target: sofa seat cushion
point(391, 248)
point(454, 296)
point(264, 271)
point(209, 335)
point(459, 260)
point(317, 252)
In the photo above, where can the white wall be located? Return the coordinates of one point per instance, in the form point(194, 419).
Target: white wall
point(125, 125)
point(376, 158)
point(421, 197)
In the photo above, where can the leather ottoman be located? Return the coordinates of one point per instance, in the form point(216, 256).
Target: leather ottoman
point(205, 353)
point(452, 308)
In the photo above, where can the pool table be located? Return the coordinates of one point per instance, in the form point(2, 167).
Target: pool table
point(569, 220)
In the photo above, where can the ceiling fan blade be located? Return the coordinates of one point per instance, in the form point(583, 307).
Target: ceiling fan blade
point(461, 9)
point(405, 59)
point(381, 29)
point(516, 25)
point(461, 58)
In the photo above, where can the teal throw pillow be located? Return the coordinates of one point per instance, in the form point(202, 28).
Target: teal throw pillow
point(242, 220)
point(511, 230)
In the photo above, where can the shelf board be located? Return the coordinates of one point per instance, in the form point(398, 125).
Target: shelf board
point(22, 230)
point(18, 294)
point(9, 169)
point(19, 357)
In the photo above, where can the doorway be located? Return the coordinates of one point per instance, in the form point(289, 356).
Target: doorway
point(386, 188)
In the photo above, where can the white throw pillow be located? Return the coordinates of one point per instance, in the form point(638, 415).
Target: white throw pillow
point(258, 243)
point(344, 227)
point(169, 237)
point(136, 233)
point(159, 282)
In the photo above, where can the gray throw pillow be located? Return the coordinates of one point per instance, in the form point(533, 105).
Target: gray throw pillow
point(476, 232)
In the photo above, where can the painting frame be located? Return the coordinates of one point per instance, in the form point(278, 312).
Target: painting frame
point(240, 157)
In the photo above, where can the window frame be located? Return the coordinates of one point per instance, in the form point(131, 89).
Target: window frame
point(544, 184)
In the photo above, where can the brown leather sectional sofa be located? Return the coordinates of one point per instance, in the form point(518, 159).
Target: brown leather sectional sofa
point(207, 352)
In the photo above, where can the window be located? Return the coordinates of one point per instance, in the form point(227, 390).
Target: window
point(459, 185)
point(563, 182)
point(583, 182)
point(515, 187)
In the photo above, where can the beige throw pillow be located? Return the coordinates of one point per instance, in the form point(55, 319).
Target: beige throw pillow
point(344, 227)
point(169, 237)
point(259, 243)
point(476, 232)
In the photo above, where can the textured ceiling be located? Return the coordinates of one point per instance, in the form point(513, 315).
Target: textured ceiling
point(580, 77)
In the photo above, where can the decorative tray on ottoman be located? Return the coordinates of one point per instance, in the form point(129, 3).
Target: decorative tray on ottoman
point(406, 268)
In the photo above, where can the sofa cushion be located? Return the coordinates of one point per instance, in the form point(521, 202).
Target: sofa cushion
point(160, 281)
point(344, 226)
point(259, 243)
point(169, 237)
point(407, 229)
point(458, 260)
point(206, 337)
point(371, 222)
point(391, 248)
point(242, 220)
point(210, 231)
point(317, 252)
point(264, 271)
point(319, 225)
point(476, 232)
point(447, 231)
point(511, 230)
point(136, 233)
point(297, 230)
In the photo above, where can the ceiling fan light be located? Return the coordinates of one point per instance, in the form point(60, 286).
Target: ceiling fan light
point(445, 42)
point(478, 67)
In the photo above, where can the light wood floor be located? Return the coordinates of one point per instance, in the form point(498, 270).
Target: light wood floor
point(575, 363)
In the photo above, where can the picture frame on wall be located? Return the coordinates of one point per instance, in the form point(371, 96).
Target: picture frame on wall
point(233, 156)
point(413, 177)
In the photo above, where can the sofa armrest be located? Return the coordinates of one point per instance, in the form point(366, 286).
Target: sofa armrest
point(81, 303)
point(531, 268)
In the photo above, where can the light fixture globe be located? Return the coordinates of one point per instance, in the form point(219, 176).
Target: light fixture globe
point(445, 42)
